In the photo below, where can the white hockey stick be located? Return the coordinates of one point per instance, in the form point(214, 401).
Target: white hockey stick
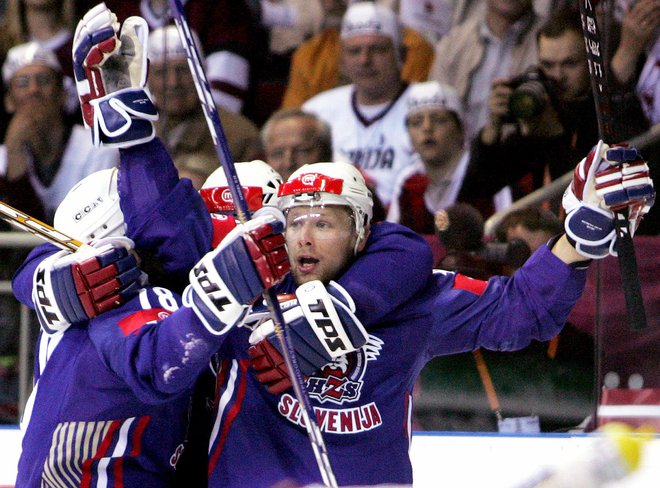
point(48, 233)
point(222, 150)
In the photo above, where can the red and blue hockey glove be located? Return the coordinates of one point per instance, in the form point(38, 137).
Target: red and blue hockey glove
point(73, 287)
point(228, 280)
point(323, 327)
point(110, 68)
point(607, 180)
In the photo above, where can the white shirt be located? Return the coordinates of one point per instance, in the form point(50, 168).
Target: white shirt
point(379, 146)
point(80, 159)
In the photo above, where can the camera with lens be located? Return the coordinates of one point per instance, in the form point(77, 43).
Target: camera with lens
point(531, 90)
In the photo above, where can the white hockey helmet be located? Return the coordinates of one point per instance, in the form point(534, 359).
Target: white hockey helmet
point(335, 183)
point(259, 180)
point(91, 208)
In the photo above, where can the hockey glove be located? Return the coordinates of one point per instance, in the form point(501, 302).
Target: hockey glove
point(607, 180)
point(74, 287)
point(228, 280)
point(323, 327)
point(110, 68)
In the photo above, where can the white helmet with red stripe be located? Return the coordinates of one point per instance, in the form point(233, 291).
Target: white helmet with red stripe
point(336, 183)
point(259, 180)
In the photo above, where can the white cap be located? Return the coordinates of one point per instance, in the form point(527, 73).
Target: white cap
point(364, 18)
point(26, 55)
point(165, 43)
point(432, 94)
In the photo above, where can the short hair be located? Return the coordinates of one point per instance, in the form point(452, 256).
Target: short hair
point(322, 128)
point(562, 21)
point(466, 228)
point(531, 218)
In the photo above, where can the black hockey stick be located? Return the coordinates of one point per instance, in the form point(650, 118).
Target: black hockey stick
point(240, 203)
point(47, 232)
point(606, 128)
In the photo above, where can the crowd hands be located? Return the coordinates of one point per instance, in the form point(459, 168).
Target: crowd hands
point(221, 283)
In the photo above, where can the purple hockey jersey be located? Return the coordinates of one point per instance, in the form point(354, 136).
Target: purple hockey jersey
point(85, 425)
point(363, 400)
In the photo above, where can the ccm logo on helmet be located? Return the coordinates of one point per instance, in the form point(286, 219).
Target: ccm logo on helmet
point(87, 209)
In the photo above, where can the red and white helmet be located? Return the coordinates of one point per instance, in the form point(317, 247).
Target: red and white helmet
point(259, 180)
point(336, 183)
point(91, 208)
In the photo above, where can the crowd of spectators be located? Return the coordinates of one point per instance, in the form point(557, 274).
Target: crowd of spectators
point(419, 95)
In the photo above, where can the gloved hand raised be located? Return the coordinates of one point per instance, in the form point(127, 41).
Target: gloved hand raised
point(228, 280)
point(110, 68)
point(322, 326)
point(74, 287)
point(607, 180)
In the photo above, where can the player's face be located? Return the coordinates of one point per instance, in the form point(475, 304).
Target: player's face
point(370, 62)
point(564, 60)
point(291, 143)
point(173, 87)
point(320, 242)
point(35, 85)
point(436, 135)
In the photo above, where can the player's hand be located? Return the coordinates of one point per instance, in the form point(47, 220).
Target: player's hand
point(110, 68)
point(322, 325)
point(69, 288)
point(228, 280)
point(607, 180)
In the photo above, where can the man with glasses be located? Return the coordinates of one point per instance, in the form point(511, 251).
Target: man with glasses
point(45, 152)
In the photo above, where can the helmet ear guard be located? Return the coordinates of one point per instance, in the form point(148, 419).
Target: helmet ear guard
point(91, 208)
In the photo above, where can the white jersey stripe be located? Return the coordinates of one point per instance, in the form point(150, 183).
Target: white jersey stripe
point(226, 396)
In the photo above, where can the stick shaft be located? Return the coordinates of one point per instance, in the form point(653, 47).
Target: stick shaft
point(240, 203)
point(607, 130)
point(48, 233)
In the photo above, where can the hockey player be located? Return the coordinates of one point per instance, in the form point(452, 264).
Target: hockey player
point(363, 398)
point(89, 424)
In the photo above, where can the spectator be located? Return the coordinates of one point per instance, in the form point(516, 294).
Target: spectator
point(182, 125)
point(50, 24)
point(460, 229)
point(45, 152)
point(499, 43)
point(226, 29)
point(527, 149)
point(535, 226)
point(367, 116)
point(315, 66)
point(293, 137)
point(435, 124)
point(635, 60)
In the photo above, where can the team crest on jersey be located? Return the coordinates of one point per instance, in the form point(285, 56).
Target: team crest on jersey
point(339, 382)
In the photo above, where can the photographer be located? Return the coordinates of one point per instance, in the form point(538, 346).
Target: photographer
point(541, 121)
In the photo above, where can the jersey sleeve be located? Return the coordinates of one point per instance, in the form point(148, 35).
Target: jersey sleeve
point(395, 265)
point(22, 279)
point(505, 313)
point(163, 214)
point(155, 347)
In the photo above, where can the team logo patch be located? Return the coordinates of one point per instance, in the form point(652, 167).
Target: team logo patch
point(338, 383)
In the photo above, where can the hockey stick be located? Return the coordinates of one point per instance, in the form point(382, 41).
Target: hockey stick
point(606, 128)
point(222, 150)
point(48, 233)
